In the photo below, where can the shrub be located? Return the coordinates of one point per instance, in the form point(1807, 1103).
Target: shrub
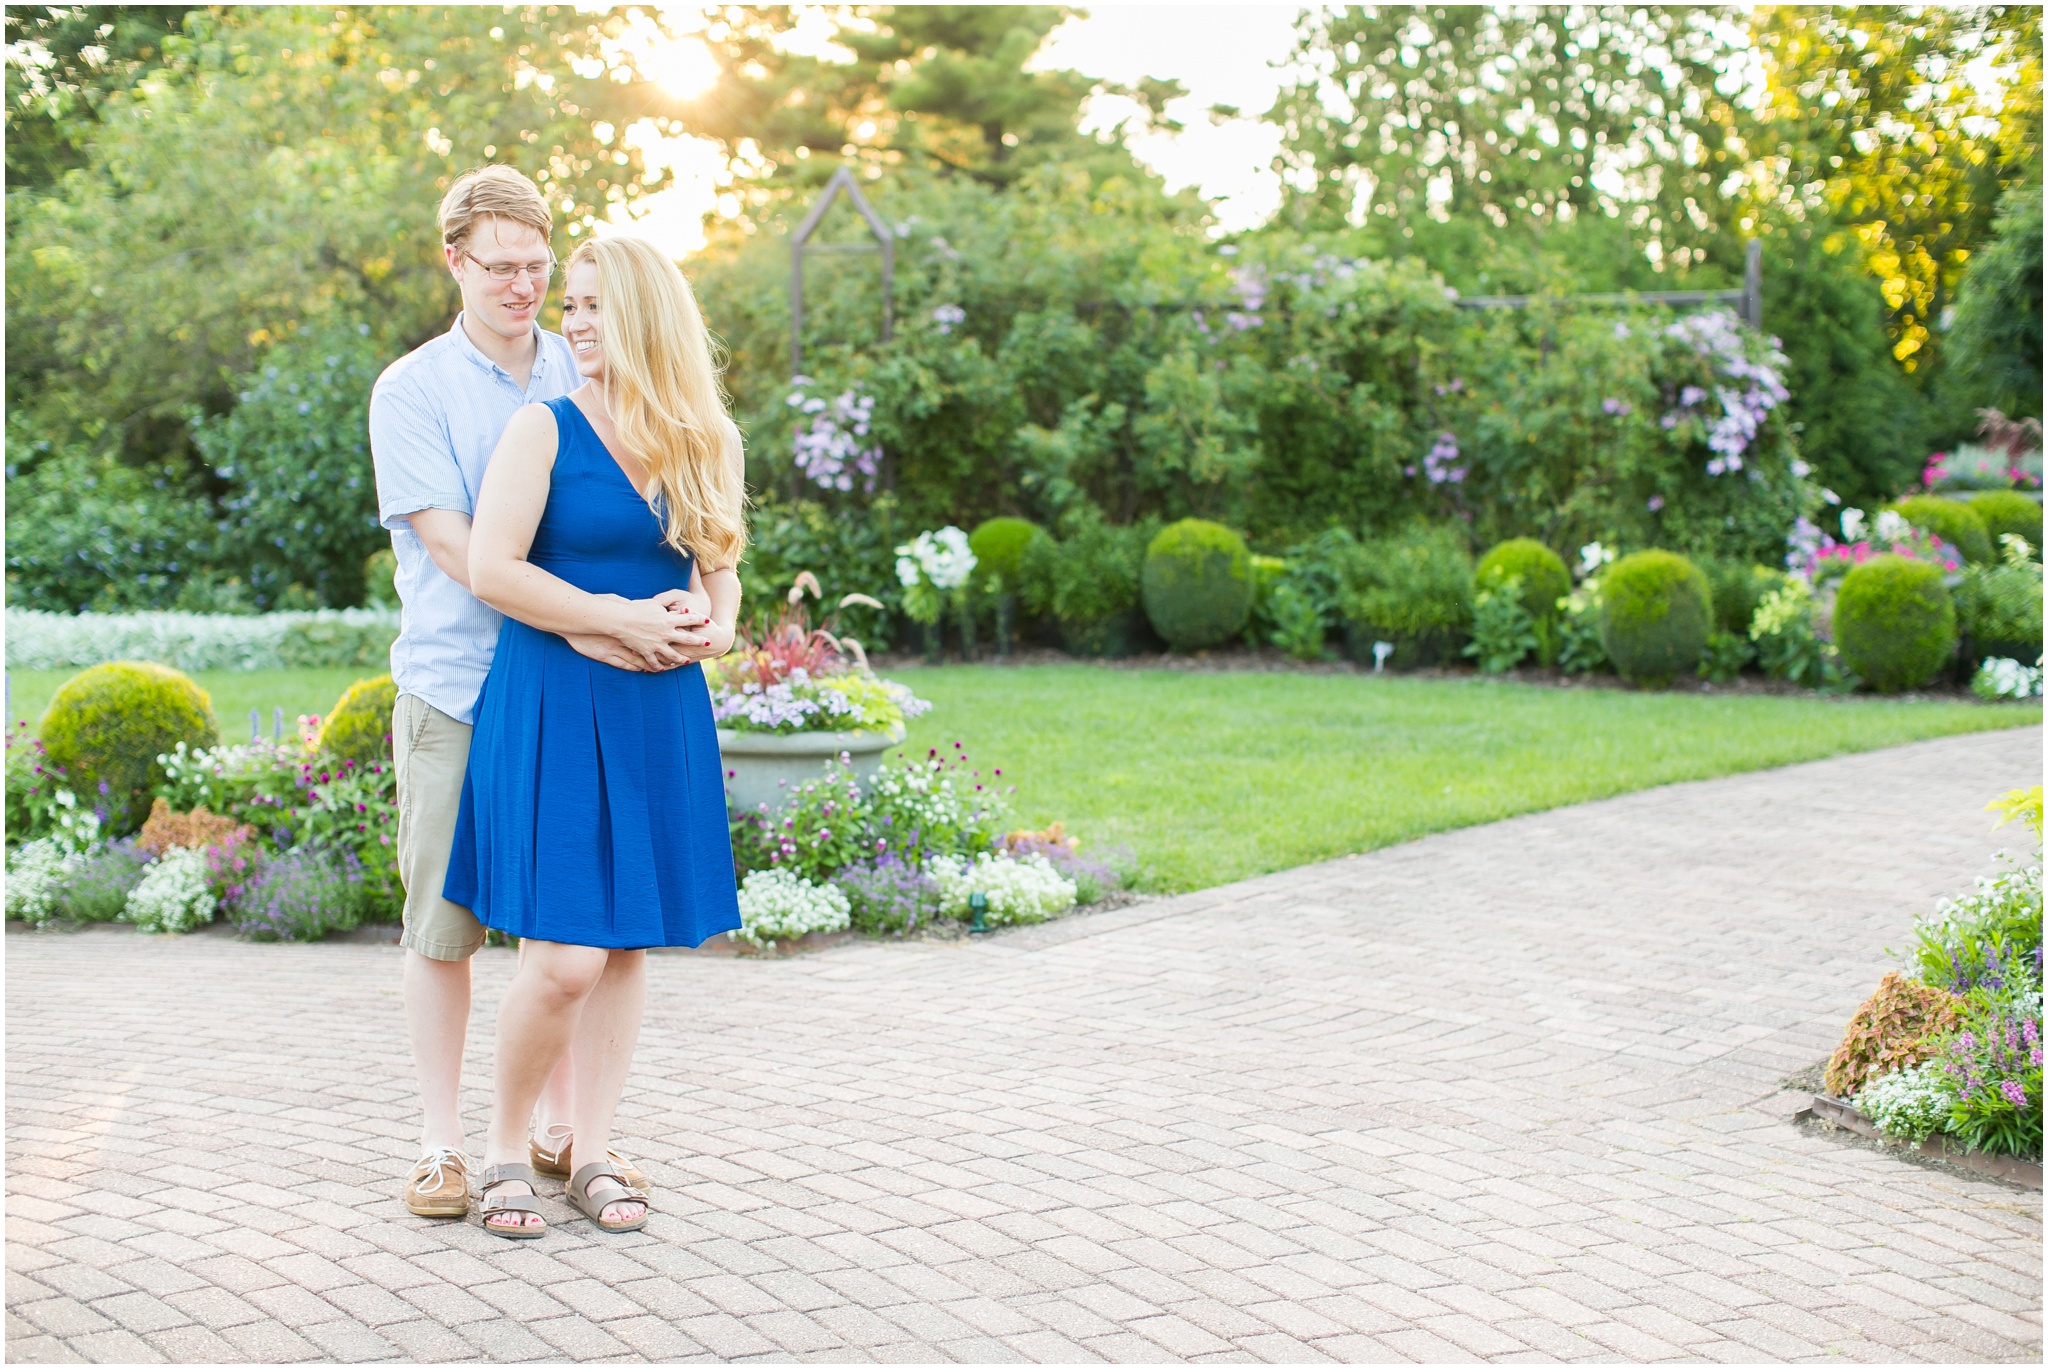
point(1543, 581)
point(2001, 677)
point(2009, 513)
point(1503, 630)
point(999, 546)
point(380, 579)
point(1897, 1026)
point(1989, 936)
point(1787, 645)
point(1998, 609)
point(1724, 656)
point(1414, 587)
point(302, 895)
point(173, 896)
point(1578, 631)
point(1895, 623)
point(1090, 583)
point(1737, 588)
point(1197, 584)
point(1655, 612)
point(108, 725)
point(97, 890)
point(781, 905)
point(358, 728)
point(1953, 521)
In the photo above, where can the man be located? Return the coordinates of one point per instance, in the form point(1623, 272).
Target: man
point(435, 416)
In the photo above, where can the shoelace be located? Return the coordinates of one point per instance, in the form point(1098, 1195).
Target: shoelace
point(437, 1162)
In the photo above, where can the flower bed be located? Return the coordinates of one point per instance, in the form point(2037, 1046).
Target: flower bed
point(1951, 1053)
point(201, 641)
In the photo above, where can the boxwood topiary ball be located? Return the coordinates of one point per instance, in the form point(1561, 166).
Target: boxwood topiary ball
point(1544, 578)
point(107, 726)
point(1655, 614)
point(999, 545)
point(2009, 511)
point(1895, 623)
point(1953, 521)
point(1197, 584)
point(359, 727)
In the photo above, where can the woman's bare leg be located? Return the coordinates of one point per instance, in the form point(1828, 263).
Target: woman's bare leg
point(535, 1023)
point(601, 1055)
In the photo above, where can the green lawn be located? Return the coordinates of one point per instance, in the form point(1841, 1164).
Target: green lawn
point(234, 693)
point(1214, 777)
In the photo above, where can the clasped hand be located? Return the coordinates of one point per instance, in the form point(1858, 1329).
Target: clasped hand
point(671, 629)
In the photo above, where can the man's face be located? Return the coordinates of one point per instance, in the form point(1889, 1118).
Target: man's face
point(506, 307)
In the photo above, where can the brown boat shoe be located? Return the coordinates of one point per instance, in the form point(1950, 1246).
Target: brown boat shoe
point(439, 1184)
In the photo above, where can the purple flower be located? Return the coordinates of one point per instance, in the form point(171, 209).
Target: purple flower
point(2014, 1094)
point(1656, 503)
point(1617, 408)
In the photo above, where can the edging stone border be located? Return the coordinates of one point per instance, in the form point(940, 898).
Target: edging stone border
point(2009, 1168)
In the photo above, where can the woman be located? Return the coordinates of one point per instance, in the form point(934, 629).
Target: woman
point(593, 815)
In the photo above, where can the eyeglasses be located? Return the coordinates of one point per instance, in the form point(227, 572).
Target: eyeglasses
point(506, 270)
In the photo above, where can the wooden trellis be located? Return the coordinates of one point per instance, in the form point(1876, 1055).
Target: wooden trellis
point(885, 243)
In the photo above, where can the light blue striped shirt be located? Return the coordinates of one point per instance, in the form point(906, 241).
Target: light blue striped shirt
point(435, 418)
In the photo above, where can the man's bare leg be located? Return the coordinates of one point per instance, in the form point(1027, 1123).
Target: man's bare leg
point(437, 1018)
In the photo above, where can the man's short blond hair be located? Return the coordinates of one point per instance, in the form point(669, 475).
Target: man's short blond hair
point(492, 192)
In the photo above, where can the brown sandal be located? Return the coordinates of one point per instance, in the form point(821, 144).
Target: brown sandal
point(492, 1204)
point(578, 1194)
point(555, 1163)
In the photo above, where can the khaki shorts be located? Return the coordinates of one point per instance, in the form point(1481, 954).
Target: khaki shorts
point(431, 751)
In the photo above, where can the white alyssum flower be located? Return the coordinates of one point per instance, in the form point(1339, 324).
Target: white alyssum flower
point(781, 905)
point(36, 872)
point(1911, 1104)
point(173, 896)
point(1018, 890)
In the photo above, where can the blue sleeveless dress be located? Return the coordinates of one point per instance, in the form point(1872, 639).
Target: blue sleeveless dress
point(593, 811)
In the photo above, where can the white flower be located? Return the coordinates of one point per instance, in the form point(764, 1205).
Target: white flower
point(1026, 890)
point(1852, 525)
point(940, 559)
point(1892, 527)
point(36, 872)
point(1592, 556)
point(172, 896)
point(2001, 677)
point(781, 905)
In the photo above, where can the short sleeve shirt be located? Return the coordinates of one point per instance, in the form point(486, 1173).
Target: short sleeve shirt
point(436, 415)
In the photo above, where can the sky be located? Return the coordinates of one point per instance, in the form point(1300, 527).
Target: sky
point(1222, 54)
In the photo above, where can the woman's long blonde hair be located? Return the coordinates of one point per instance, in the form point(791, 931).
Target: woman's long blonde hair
point(665, 398)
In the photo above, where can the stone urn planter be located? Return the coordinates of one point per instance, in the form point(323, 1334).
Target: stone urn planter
point(762, 767)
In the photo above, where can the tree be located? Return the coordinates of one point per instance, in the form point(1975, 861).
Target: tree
point(1996, 341)
point(279, 168)
point(63, 62)
point(1513, 149)
point(1872, 116)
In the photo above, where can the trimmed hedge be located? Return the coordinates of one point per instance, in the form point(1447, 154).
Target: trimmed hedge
point(999, 546)
point(1737, 588)
point(359, 726)
point(1895, 623)
point(1953, 521)
point(1544, 581)
point(202, 641)
point(2008, 511)
point(1655, 613)
point(1197, 584)
point(106, 727)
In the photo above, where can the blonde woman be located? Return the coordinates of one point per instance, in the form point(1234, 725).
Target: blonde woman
point(593, 818)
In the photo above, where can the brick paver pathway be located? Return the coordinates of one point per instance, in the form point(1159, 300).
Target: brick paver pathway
point(1505, 1092)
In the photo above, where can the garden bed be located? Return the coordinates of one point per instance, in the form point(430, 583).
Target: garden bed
point(2011, 1169)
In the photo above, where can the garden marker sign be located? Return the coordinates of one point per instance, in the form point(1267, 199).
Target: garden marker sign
point(885, 243)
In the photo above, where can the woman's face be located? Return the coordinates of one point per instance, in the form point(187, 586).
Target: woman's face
point(581, 323)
